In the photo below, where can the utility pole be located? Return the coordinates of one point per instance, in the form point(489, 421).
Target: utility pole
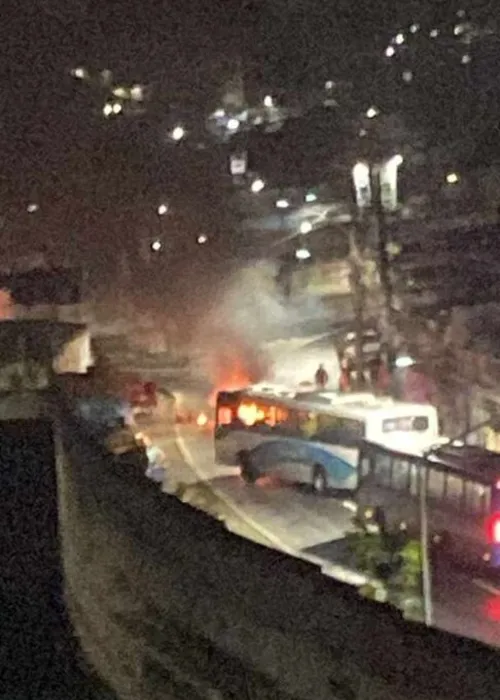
point(359, 298)
point(382, 242)
point(424, 550)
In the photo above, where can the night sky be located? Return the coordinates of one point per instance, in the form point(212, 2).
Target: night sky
point(56, 149)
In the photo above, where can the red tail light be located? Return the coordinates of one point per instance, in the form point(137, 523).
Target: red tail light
point(493, 528)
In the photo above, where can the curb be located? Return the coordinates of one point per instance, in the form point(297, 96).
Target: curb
point(188, 458)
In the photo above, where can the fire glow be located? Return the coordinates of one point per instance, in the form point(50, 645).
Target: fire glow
point(250, 413)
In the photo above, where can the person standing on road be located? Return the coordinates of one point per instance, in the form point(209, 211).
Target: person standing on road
point(345, 378)
point(321, 377)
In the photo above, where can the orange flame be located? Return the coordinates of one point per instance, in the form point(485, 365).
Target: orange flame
point(250, 413)
point(202, 420)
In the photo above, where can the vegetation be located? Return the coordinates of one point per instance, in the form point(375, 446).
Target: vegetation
point(392, 562)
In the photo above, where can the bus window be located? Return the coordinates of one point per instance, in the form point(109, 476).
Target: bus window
point(224, 415)
point(287, 422)
point(477, 500)
point(326, 422)
point(454, 491)
point(365, 466)
point(251, 414)
point(382, 468)
point(406, 424)
point(436, 484)
point(400, 474)
point(303, 424)
point(353, 428)
point(417, 473)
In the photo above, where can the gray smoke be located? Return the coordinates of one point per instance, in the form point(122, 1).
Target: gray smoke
point(247, 313)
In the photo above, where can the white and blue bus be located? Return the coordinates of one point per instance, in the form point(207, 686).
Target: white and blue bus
point(377, 452)
point(313, 437)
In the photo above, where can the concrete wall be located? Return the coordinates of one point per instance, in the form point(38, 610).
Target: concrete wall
point(168, 604)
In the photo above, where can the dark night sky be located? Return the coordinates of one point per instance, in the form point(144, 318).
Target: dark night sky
point(177, 41)
point(48, 139)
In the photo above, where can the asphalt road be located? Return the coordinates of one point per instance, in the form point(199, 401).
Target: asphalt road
point(297, 521)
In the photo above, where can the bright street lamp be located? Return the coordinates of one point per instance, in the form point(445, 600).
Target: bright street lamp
point(162, 209)
point(452, 178)
point(257, 185)
point(202, 239)
point(305, 227)
point(156, 246)
point(371, 112)
point(268, 101)
point(79, 73)
point(310, 197)
point(302, 254)
point(233, 124)
point(178, 133)
point(396, 160)
point(282, 204)
point(32, 208)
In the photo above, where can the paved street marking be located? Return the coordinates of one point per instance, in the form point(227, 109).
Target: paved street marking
point(327, 568)
point(486, 586)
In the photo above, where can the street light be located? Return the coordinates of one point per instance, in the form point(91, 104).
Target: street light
point(162, 209)
point(390, 51)
point(178, 133)
point(302, 254)
point(107, 110)
point(310, 197)
point(282, 204)
point(117, 108)
point(32, 208)
point(156, 246)
point(362, 184)
point(202, 239)
point(79, 73)
point(371, 112)
point(257, 185)
point(305, 227)
point(268, 101)
point(233, 124)
point(452, 178)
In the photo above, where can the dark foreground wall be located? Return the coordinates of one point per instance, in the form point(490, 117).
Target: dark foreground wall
point(169, 605)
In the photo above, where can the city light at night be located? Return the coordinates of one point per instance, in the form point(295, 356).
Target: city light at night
point(282, 204)
point(257, 185)
point(178, 133)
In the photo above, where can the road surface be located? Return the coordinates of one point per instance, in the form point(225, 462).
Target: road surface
point(299, 522)
point(312, 525)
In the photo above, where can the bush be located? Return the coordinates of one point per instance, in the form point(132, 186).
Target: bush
point(393, 559)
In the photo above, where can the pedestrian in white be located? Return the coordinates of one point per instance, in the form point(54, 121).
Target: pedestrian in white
point(157, 464)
